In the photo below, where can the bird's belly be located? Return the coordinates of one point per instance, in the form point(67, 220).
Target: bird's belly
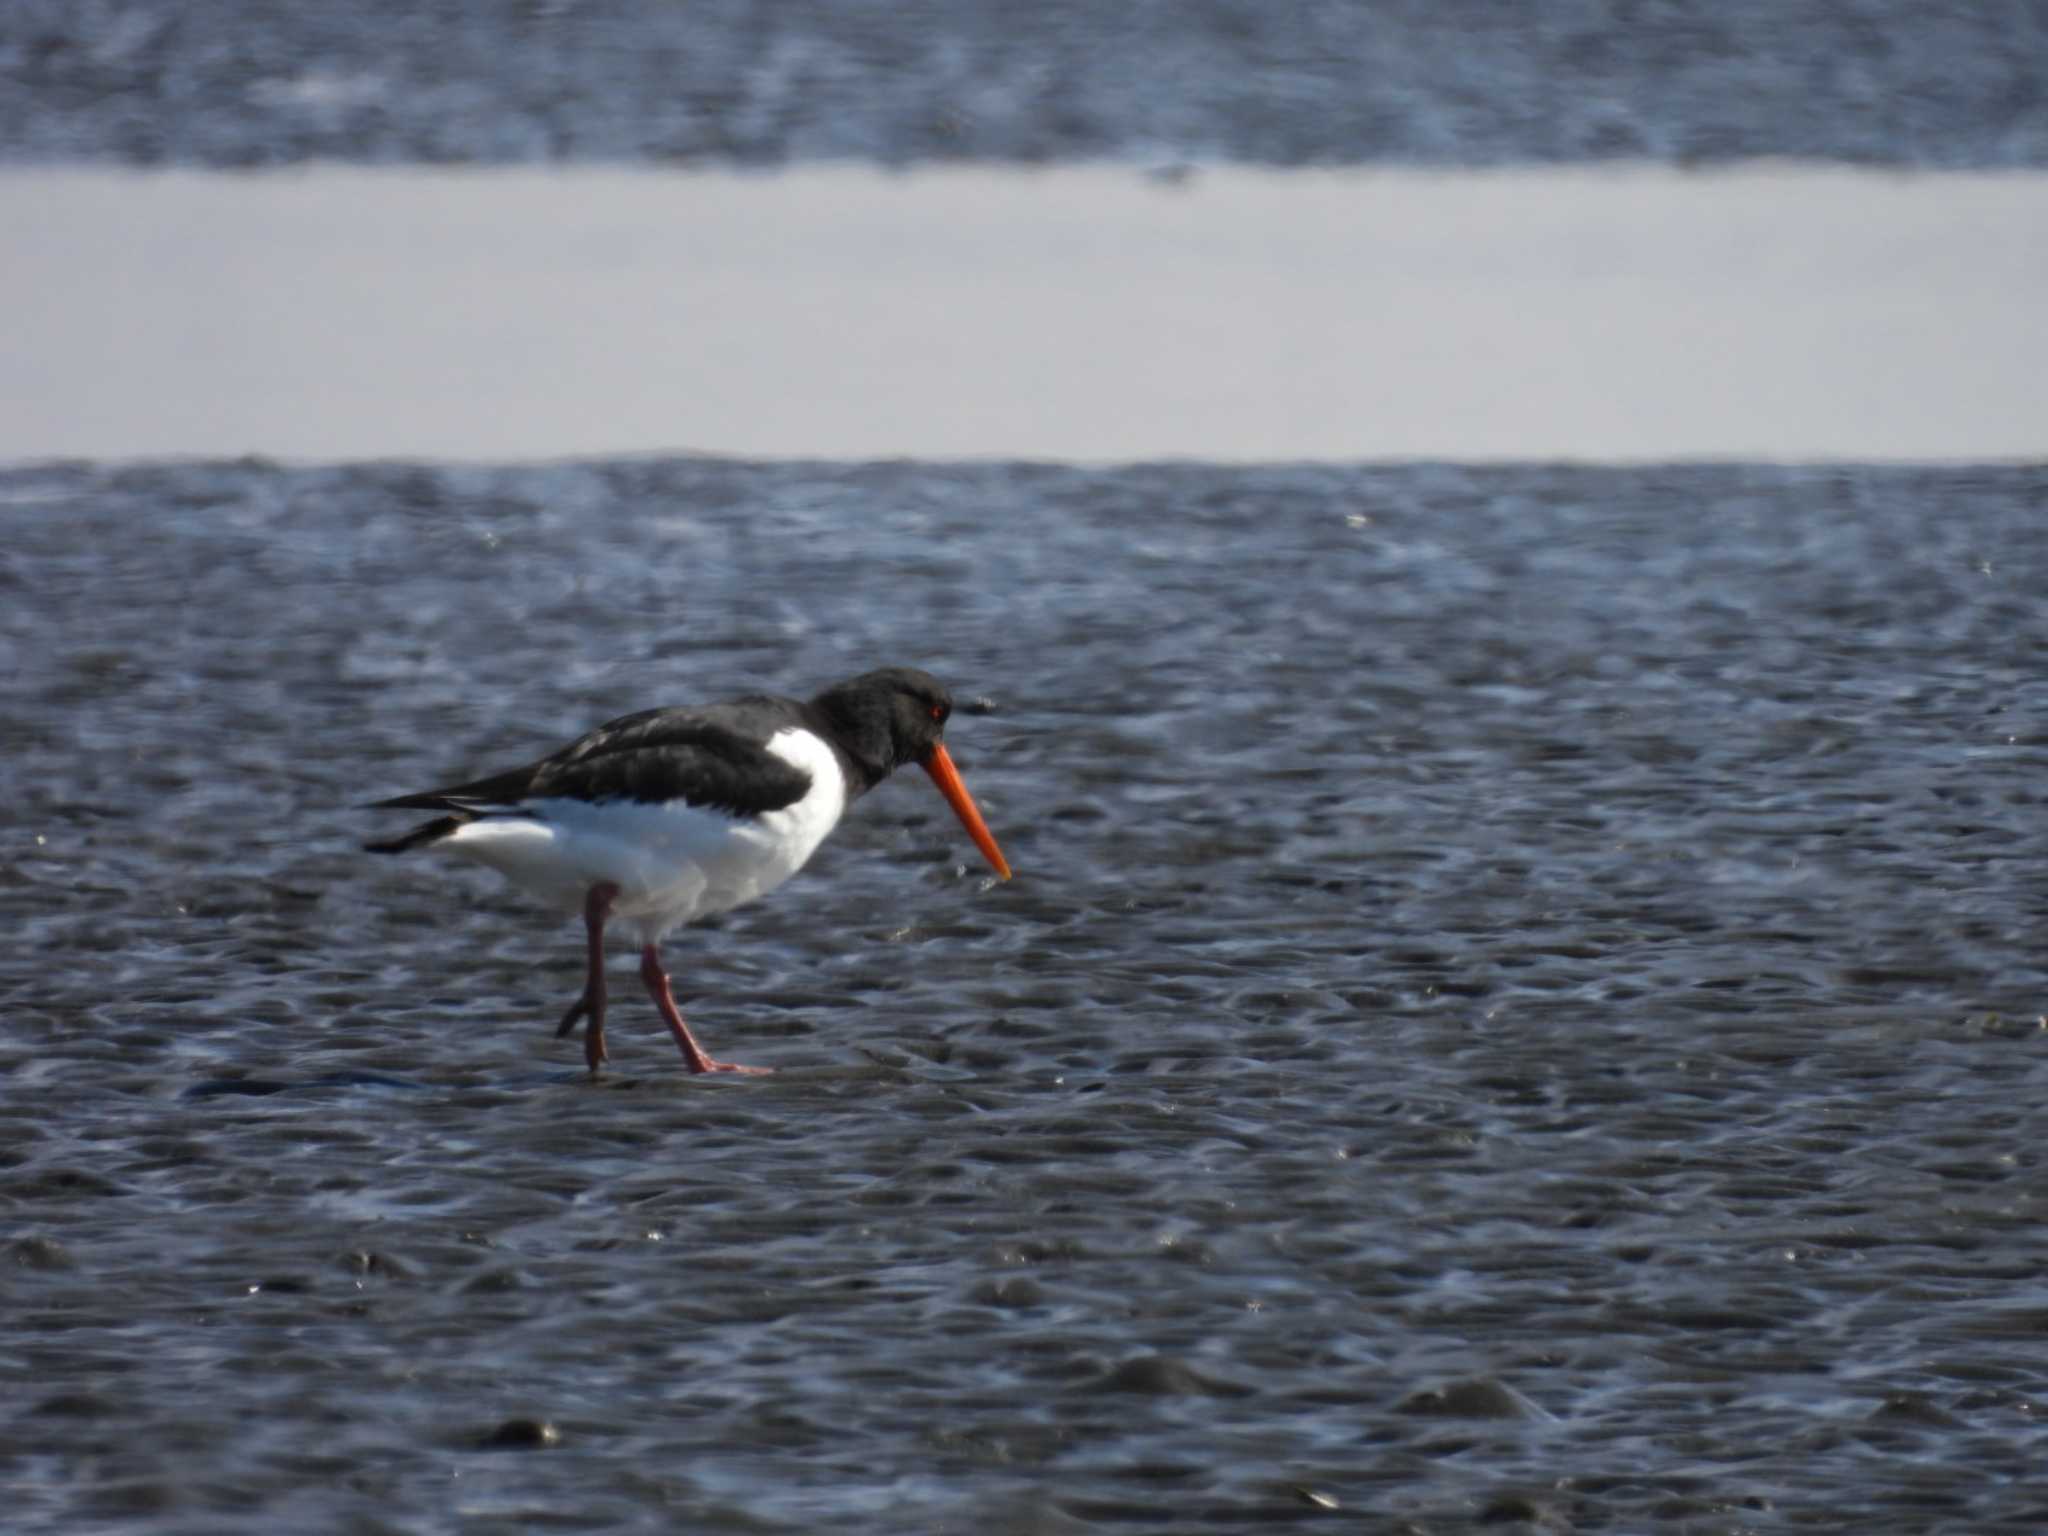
point(677, 873)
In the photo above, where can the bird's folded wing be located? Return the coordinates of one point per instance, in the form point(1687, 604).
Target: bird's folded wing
point(657, 755)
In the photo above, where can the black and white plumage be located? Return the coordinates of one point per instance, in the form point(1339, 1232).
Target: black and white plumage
point(659, 818)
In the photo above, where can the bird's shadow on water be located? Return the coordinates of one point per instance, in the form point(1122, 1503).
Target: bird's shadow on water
point(660, 1080)
point(798, 1077)
point(264, 1087)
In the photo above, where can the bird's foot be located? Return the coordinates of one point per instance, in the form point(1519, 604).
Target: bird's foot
point(708, 1065)
point(573, 1017)
point(593, 1042)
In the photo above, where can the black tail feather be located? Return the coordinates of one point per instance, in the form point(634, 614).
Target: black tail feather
point(432, 800)
point(429, 832)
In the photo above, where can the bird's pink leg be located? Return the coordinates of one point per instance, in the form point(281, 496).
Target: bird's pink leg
point(657, 988)
point(597, 906)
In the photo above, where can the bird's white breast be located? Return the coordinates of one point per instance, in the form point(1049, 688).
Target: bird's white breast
point(793, 833)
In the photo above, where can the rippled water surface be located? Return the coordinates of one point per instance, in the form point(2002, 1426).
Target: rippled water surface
point(1523, 1003)
point(238, 83)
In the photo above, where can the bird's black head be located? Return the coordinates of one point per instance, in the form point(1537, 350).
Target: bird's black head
point(887, 718)
point(882, 720)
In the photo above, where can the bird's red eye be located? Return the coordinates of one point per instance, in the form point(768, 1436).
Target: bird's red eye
point(939, 712)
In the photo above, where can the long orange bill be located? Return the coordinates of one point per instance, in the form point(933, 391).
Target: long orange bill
point(940, 766)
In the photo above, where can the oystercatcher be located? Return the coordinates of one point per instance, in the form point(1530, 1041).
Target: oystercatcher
point(661, 817)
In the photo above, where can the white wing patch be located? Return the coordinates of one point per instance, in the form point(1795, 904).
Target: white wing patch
point(672, 863)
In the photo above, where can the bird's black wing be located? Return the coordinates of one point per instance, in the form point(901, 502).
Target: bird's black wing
point(659, 754)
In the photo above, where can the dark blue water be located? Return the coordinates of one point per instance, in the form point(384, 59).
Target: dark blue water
point(229, 83)
point(1522, 1005)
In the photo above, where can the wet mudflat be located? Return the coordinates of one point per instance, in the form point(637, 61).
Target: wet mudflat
point(1522, 1004)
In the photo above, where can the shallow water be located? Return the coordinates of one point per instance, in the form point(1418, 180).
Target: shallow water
point(1523, 1002)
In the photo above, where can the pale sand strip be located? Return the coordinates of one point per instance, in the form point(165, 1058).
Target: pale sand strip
point(1074, 314)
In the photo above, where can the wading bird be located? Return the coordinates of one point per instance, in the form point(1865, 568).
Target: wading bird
point(659, 818)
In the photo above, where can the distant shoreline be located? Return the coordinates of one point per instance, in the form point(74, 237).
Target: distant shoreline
point(231, 85)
